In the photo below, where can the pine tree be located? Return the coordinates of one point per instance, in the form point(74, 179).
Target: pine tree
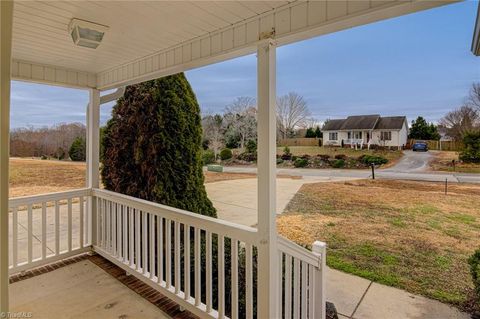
point(78, 149)
point(310, 133)
point(422, 130)
point(152, 145)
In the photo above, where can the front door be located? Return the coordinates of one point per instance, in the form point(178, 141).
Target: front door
point(368, 137)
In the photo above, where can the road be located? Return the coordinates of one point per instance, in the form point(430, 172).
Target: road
point(413, 166)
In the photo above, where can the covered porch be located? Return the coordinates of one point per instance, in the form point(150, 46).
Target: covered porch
point(255, 273)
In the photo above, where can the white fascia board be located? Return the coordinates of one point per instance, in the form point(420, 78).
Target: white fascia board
point(293, 22)
point(52, 75)
point(476, 34)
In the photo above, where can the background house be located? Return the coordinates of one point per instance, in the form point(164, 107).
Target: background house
point(367, 130)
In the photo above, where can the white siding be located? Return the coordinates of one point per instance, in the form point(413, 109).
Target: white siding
point(399, 137)
point(403, 135)
point(327, 141)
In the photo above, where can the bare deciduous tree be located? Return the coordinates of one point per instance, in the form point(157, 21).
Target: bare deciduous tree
point(460, 121)
point(214, 132)
point(241, 119)
point(292, 113)
point(473, 99)
point(49, 141)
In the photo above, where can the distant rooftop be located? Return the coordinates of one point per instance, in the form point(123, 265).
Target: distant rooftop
point(366, 122)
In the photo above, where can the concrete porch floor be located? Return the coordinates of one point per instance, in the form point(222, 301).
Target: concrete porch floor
point(80, 290)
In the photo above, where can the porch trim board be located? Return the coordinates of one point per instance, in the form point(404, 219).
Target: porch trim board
point(54, 75)
point(268, 267)
point(290, 23)
point(6, 22)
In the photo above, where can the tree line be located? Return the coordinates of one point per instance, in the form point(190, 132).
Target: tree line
point(59, 141)
point(460, 124)
point(453, 125)
point(238, 123)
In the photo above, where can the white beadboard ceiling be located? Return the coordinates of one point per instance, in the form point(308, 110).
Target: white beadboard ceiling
point(150, 39)
point(137, 29)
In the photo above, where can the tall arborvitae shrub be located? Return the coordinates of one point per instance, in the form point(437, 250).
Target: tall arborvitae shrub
point(152, 145)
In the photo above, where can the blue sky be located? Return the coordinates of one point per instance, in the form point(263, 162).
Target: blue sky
point(419, 64)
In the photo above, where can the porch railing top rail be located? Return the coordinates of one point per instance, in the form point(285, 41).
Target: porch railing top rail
point(29, 200)
point(218, 226)
point(299, 252)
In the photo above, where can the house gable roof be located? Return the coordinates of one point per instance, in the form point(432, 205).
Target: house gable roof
point(333, 125)
point(391, 123)
point(365, 122)
point(360, 122)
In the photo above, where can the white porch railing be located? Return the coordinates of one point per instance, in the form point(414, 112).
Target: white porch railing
point(173, 251)
point(47, 228)
point(303, 279)
point(352, 141)
point(207, 265)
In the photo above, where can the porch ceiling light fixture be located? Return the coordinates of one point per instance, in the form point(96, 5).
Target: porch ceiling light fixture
point(86, 34)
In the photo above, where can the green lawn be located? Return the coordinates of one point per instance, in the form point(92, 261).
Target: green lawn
point(404, 234)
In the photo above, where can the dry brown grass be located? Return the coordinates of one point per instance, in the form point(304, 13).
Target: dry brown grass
point(212, 177)
point(401, 233)
point(443, 162)
point(33, 176)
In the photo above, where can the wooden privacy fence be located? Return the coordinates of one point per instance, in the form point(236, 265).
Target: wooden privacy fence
point(441, 145)
point(301, 141)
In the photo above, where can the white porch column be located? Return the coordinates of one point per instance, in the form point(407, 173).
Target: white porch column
point(268, 266)
point(6, 14)
point(93, 158)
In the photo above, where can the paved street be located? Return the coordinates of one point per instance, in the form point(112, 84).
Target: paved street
point(413, 166)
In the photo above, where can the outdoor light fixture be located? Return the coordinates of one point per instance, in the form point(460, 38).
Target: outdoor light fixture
point(86, 34)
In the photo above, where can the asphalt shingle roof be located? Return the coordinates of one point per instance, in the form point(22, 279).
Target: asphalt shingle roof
point(391, 122)
point(333, 125)
point(365, 122)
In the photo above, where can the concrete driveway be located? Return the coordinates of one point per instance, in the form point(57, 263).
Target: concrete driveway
point(236, 200)
point(412, 162)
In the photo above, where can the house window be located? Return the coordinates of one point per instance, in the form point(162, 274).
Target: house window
point(333, 136)
point(356, 135)
point(386, 136)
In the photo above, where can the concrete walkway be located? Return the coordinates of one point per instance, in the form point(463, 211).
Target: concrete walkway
point(359, 298)
point(354, 297)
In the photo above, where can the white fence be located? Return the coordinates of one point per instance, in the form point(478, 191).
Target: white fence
point(47, 228)
point(173, 251)
point(303, 278)
point(206, 265)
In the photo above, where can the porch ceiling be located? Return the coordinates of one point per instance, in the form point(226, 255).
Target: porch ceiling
point(151, 39)
point(136, 29)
